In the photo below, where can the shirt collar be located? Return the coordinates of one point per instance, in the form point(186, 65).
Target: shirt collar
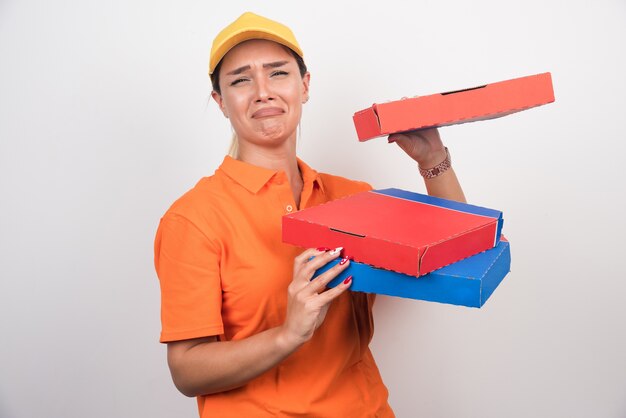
point(253, 177)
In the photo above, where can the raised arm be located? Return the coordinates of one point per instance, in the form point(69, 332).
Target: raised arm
point(205, 365)
point(426, 148)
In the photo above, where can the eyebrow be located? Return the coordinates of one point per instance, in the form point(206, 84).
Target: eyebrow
point(274, 64)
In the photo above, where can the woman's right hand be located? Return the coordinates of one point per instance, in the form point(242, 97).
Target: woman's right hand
point(308, 300)
point(207, 365)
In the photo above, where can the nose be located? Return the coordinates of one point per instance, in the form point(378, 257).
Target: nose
point(263, 90)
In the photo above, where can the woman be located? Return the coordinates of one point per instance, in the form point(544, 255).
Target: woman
point(248, 332)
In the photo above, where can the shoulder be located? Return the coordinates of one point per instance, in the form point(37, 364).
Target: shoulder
point(337, 186)
point(196, 199)
point(201, 205)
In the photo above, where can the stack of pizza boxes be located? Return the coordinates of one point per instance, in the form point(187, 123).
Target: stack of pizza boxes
point(412, 245)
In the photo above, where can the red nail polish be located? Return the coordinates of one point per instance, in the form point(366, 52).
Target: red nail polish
point(322, 249)
point(343, 261)
point(348, 280)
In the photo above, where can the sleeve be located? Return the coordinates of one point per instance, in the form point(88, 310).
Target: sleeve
point(338, 187)
point(187, 264)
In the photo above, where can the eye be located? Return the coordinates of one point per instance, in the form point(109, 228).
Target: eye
point(279, 73)
point(237, 81)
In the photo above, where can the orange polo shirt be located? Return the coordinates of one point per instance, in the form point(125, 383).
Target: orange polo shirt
point(224, 270)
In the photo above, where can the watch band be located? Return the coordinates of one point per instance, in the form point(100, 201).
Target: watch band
point(439, 169)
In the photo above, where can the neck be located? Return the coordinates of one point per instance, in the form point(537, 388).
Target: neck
point(281, 158)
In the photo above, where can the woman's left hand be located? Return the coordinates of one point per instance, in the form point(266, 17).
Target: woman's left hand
point(424, 146)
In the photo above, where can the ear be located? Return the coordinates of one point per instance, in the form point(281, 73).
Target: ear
point(220, 102)
point(306, 78)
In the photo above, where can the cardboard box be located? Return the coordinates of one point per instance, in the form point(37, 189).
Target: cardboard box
point(469, 282)
point(407, 232)
point(477, 103)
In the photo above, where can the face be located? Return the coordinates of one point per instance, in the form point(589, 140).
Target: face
point(262, 93)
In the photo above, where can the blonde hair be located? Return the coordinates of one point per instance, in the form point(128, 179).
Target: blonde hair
point(233, 149)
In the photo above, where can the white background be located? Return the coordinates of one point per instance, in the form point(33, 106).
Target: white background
point(105, 119)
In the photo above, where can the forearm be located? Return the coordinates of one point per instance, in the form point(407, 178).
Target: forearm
point(203, 366)
point(211, 367)
point(446, 186)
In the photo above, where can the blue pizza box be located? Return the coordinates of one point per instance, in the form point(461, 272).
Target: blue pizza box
point(469, 282)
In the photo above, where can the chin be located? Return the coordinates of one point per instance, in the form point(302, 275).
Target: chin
point(276, 132)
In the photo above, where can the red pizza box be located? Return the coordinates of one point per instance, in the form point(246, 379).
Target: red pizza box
point(468, 105)
point(394, 229)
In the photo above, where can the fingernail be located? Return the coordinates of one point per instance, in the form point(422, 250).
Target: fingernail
point(336, 250)
point(322, 249)
point(343, 261)
point(348, 280)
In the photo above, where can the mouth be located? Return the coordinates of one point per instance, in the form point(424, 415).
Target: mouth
point(267, 112)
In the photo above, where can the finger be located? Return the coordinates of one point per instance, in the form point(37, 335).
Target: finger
point(428, 134)
point(395, 137)
point(305, 272)
point(320, 260)
point(431, 131)
point(320, 282)
point(331, 294)
point(304, 256)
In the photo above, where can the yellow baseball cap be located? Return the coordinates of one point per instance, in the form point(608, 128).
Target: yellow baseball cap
point(250, 26)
